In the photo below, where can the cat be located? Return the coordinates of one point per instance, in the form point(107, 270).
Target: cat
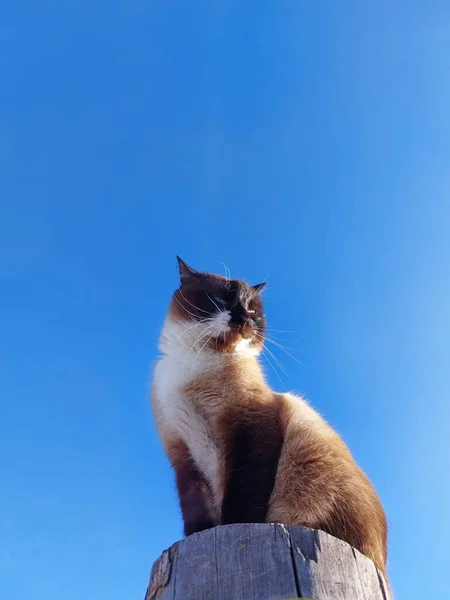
point(241, 452)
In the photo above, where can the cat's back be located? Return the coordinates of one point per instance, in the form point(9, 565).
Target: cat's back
point(319, 484)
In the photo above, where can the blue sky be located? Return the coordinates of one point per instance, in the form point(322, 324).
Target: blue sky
point(307, 140)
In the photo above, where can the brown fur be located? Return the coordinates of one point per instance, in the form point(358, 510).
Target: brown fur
point(194, 491)
point(317, 484)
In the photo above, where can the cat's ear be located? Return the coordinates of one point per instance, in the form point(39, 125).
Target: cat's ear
point(259, 287)
point(186, 272)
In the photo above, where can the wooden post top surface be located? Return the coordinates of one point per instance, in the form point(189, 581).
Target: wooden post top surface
point(264, 562)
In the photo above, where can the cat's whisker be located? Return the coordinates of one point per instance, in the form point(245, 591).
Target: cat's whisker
point(202, 336)
point(277, 361)
point(293, 341)
point(217, 338)
point(219, 334)
point(184, 308)
point(213, 301)
point(277, 343)
point(280, 339)
point(266, 356)
point(192, 326)
point(272, 332)
point(227, 272)
point(198, 353)
point(193, 305)
point(199, 339)
point(281, 347)
point(265, 280)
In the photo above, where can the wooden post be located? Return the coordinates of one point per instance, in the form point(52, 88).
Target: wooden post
point(264, 562)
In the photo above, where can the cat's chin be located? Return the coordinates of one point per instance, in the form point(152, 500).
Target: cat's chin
point(247, 346)
point(235, 342)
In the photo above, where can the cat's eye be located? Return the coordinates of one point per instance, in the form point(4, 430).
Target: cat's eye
point(219, 301)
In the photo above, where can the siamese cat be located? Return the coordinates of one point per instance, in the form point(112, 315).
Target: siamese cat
point(241, 452)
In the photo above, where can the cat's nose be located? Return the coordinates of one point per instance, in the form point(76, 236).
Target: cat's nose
point(240, 320)
point(240, 317)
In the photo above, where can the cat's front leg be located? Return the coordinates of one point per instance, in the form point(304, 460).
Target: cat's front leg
point(251, 467)
point(194, 492)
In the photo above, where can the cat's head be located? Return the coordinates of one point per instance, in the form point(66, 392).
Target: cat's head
point(222, 314)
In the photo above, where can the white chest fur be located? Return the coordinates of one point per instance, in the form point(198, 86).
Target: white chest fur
point(181, 362)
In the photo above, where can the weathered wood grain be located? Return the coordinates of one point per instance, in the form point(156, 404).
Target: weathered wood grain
point(330, 569)
point(263, 562)
point(254, 561)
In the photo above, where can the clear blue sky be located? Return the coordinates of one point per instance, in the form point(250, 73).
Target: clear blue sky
point(309, 140)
